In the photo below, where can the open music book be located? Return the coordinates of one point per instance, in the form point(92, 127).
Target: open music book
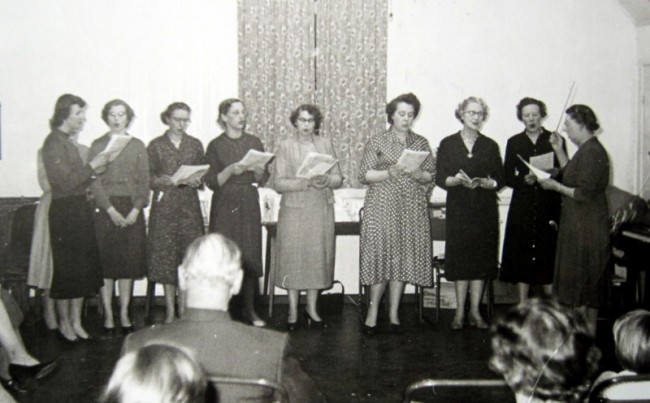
point(536, 171)
point(115, 145)
point(254, 159)
point(315, 164)
point(411, 160)
point(184, 172)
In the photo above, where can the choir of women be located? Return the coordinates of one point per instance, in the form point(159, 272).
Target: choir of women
point(395, 247)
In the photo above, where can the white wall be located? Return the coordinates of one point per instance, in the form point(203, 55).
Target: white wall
point(148, 53)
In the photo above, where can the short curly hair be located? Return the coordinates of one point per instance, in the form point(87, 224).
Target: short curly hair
point(584, 115)
point(167, 113)
point(632, 341)
point(409, 98)
point(312, 110)
point(544, 350)
point(471, 100)
point(531, 101)
point(116, 102)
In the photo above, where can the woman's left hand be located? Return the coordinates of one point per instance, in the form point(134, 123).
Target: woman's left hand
point(194, 181)
point(259, 171)
point(418, 174)
point(320, 181)
point(548, 184)
point(132, 217)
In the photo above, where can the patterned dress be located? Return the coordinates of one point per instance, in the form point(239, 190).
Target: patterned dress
point(529, 242)
point(175, 219)
point(395, 238)
point(305, 222)
point(472, 244)
point(235, 210)
point(583, 247)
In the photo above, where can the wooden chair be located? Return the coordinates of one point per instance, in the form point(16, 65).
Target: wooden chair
point(623, 388)
point(280, 394)
point(459, 384)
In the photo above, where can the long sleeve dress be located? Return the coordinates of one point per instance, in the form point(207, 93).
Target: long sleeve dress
point(235, 210)
point(531, 230)
point(305, 221)
point(472, 244)
point(583, 246)
point(124, 185)
point(175, 219)
point(395, 243)
point(75, 255)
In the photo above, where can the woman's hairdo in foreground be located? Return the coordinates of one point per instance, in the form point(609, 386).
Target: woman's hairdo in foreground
point(167, 113)
point(460, 109)
point(544, 350)
point(62, 109)
point(116, 102)
point(531, 101)
point(312, 110)
point(409, 98)
point(582, 114)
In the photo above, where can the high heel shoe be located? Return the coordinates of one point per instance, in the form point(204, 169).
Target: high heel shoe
point(369, 330)
point(38, 371)
point(478, 323)
point(127, 329)
point(456, 325)
point(292, 326)
point(64, 339)
point(396, 328)
point(14, 387)
point(316, 324)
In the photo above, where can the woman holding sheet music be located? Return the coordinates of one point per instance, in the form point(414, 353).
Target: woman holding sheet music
point(531, 230)
point(470, 170)
point(120, 193)
point(235, 208)
point(395, 244)
point(175, 219)
point(583, 247)
point(306, 217)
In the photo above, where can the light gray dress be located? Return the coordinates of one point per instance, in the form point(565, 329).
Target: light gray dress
point(305, 222)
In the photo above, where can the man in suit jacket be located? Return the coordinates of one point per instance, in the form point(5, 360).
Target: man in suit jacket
point(208, 277)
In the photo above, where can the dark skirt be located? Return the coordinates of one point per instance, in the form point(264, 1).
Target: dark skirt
point(122, 250)
point(77, 270)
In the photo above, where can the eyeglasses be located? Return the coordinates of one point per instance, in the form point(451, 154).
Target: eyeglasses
point(475, 114)
point(117, 114)
point(303, 120)
point(181, 120)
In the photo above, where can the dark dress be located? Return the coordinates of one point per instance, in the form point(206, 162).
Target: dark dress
point(472, 244)
point(235, 210)
point(75, 256)
point(124, 185)
point(395, 242)
point(175, 219)
point(530, 237)
point(583, 247)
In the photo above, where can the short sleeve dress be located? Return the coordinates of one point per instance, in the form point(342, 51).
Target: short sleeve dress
point(40, 255)
point(472, 244)
point(175, 219)
point(583, 247)
point(395, 242)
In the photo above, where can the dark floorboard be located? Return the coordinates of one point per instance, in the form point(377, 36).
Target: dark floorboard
point(347, 366)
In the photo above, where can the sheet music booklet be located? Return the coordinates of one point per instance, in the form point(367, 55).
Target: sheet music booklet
point(536, 171)
point(254, 159)
point(315, 164)
point(115, 145)
point(411, 160)
point(184, 172)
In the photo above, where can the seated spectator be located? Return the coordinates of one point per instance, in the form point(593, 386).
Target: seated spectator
point(632, 343)
point(545, 352)
point(156, 373)
point(209, 276)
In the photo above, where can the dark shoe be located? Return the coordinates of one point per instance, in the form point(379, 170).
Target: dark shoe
point(89, 338)
point(14, 387)
point(478, 323)
point(456, 325)
point(292, 326)
point(127, 329)
point(62, 338)
point(369, 330)
point(316, 324)
point(38, 371)
point(395, 329)
point(109, 331)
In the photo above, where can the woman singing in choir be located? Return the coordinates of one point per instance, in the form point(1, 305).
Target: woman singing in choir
point(531, 231)
point(235, 208)
point(121, 192)
point(583, 247)
point(175, 219)
point(395, 239)
point(469, 168)
point(306, 217)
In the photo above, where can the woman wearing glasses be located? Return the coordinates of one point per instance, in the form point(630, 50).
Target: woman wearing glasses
point(175, 219)
point(306, 217)
point(469, 168)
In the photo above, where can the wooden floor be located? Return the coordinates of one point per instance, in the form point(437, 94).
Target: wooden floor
point(347, 366)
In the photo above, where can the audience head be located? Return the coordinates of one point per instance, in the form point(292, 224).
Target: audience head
point(167, 114)
point(156, 373)
point(310, 109)
point(225, 106)
point(63, 108)
point(531, 101)
point(462, 108)
point(583, 115)
point(211, 272)
point(632, 341)
point(118, 102)
point(544, 351)
point(409, 98)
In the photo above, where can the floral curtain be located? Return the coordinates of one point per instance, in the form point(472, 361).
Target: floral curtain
point(328, 52)
point(276, 64)
point(351, 76)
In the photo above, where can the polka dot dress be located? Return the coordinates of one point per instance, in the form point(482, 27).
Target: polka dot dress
point(395, 241)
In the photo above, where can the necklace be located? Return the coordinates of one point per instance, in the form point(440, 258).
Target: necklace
point(469, 144)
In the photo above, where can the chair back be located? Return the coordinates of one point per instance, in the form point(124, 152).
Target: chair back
point(279, 393)
point(437, 221)
point(622, 388)
point(459, 385)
